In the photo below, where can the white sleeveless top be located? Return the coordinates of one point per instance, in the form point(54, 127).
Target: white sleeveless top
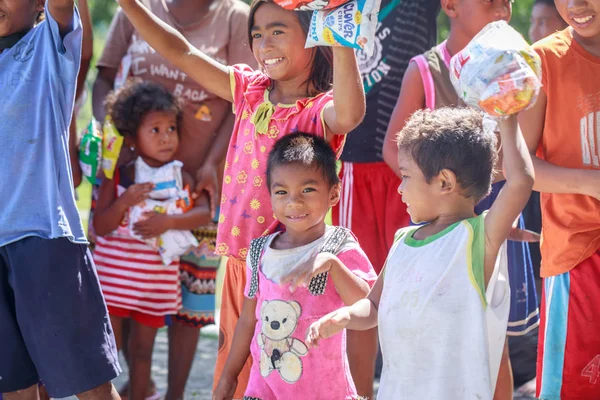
point(442, 334)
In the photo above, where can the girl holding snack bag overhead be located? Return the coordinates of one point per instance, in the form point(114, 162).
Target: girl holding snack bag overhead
point(291, 92)
point(141, 222)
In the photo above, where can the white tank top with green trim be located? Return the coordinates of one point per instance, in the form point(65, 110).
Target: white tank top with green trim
point(442, 333)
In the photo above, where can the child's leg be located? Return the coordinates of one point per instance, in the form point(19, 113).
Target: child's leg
point(141, 346)
point(504, 385)
point(183, 341)
point(31, 393)
point(362, 354)
point(117, 326)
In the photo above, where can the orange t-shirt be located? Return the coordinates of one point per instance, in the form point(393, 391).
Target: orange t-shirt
point(571, 139)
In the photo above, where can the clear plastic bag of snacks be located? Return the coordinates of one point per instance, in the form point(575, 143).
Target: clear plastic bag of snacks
point(309, 5)
point(167, 180)
point(352, 24)
point(497, 72)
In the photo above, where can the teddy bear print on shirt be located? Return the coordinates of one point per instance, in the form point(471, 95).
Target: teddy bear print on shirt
point(279, 351)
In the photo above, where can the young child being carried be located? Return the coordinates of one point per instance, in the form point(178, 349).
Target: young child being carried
point(135, 281)
point(294, 278)
point(442, 300)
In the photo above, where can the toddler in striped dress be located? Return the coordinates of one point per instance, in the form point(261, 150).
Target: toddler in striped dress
point(135, 281)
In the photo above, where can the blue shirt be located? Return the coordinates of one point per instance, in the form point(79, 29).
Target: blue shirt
point(37, 88)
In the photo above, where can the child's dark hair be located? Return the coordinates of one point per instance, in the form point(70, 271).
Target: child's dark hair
point(128, 105)
point(453, 139)
point(321, 72)
point(305, 149)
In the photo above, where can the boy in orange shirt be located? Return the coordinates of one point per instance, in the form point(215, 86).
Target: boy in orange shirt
point(563, 130)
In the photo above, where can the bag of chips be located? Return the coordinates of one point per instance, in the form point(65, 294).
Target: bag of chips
point(352, 24)
point(111, 147)
point(497, 72)
point(167, 179)
point(309, 5)
point(90, 151)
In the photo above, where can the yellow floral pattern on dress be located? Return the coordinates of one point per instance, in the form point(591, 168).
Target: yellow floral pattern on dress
point(248, 148)
point(223, 199)
point(222, 249)
point(260, 220)
point(263, 149)
point(273, 132)
point(243, 253)
point(255, 164)
point(227, 179)
point(258, 181)
point(246, 132)
point(222, 218)
point(254, 204)
point(245, 115)
point(226, 164)
point(241, 177)
point(310, 104)
point(235, 231)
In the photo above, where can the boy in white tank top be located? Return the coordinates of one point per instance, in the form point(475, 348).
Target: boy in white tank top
point(442, 300)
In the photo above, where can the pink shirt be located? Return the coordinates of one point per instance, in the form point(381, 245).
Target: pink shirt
point(245, 202)
point(282, 365)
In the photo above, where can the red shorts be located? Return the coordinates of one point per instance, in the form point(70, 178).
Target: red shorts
point(371, 207)
point(569, 341)
point(153, 321)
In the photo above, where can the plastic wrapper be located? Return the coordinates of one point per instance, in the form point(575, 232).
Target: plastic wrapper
point(352, 24)
point(497, 72)
point(90, 151)
point(309, 5)
point(173, 243)
point(167, 179)
point(111, 147)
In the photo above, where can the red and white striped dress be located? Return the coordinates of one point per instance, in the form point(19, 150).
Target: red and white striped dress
point(133, 276)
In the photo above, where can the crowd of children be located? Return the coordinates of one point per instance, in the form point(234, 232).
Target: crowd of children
point(301, 300)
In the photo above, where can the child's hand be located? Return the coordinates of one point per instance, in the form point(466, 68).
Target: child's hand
point(153, 225)
point(225, 388)
point(136, 193)
point(302, 275)
point(206, 180)
point(327, 326)
point(524, 235)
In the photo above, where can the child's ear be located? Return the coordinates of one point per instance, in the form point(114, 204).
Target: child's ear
point(447, 180)
point(449, 7)
point(334, 194)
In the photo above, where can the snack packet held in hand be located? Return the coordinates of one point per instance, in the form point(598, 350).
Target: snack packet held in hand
point(309, 5)
point(167, 179)
point(352, 24)
point(90, 151)
point(497, 72)
point(111, 147)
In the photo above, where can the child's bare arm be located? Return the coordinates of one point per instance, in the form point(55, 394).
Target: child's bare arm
point(360, 316)
point(348, 108)
point(110, 209)
point(87, 46)
point(174, 47)
point(412, 98)
point(62, 12)
point(518, 170)
point(240, 350)
point(550, 178)
point(350, 287)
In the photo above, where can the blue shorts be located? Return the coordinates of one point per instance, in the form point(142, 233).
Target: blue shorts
point(54, 326)
point(524, 313)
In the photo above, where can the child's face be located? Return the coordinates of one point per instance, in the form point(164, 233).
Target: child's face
point(474, 15)
point(582, 15)
point(157, 138)
point(278, 44)
point(18, 15)
point(420, 197)
point(545, 20)
point(301, 196)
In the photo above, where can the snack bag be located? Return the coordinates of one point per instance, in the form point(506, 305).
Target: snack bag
point(352, 24)
point(171, 244)
point(309, 5)
point(497, 72)
point(90, 151)
point(111, 147)
point(167, 179)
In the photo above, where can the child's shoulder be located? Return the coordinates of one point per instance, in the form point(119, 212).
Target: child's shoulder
point(556, 45)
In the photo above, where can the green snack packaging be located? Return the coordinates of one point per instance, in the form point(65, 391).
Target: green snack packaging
point(90, 151)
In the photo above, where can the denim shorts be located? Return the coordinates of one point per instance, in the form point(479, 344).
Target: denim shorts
point(54, 325)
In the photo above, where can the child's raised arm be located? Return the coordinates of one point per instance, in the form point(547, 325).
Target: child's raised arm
point(518, 170)
point(550, 178)
point(175, 48)
point(348, 108)
point(62, 12)
point(412, 98)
